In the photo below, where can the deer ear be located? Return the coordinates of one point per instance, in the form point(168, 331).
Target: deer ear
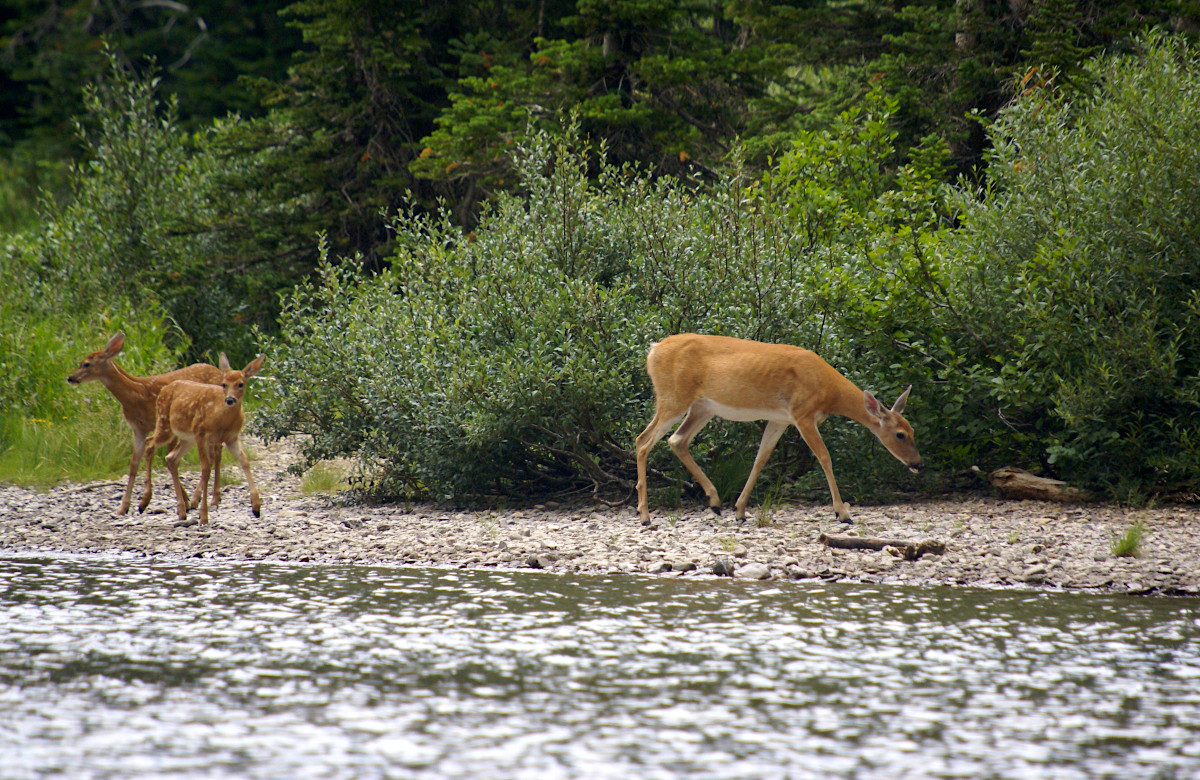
point(254, 366)
point(874, 408)
point(115, 344)
point(898, 407)
point(223, 362)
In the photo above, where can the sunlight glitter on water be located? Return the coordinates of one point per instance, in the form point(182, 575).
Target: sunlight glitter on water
point(127, 668)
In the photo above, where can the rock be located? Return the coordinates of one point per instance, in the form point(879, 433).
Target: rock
point(753, 571)
point(722, 568)
point(1035, 573)
point(542, 560)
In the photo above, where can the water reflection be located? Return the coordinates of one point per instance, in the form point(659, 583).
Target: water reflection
point(127, 668)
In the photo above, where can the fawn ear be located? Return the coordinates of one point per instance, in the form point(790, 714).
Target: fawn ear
point(115, 344)
point(254, 366)
point(223, 363)
point(898, 407)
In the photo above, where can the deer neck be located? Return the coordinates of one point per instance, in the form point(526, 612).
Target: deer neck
point(849, 403)
point(128, 389)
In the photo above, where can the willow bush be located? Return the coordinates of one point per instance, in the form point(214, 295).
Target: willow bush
point(1049, 320)
point(510, 360)
point(1058, 322)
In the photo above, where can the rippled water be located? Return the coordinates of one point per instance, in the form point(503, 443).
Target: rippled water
point(130, 668)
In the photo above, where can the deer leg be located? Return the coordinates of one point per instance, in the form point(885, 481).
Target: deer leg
point(680, 440)
point(139, 447)
point(195, 502)
point(770, 438)
point(148, 490)
point(204, 449)
point(646, 440)
point(235, 447)
point(173, 457)
point(808, 430)
point(216, 485)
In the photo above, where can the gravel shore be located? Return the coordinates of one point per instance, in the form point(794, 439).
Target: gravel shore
point(988, 541)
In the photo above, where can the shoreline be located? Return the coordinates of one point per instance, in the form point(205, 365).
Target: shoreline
point(990, 542)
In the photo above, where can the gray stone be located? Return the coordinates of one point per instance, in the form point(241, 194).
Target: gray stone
point(722, 568)
point(753, 571)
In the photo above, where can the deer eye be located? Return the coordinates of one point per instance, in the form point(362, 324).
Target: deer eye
point(86, 364)
point(900, 435)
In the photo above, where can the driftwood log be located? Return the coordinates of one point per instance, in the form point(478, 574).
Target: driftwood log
point(1016, 483)
point(909, 551)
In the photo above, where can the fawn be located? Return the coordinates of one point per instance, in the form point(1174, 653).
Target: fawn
point(208, 416)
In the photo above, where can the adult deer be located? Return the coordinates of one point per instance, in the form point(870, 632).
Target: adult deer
point(700, 377)
point(208, 417)
point(137, 395)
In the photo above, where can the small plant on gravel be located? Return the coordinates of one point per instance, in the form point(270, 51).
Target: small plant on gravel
point(728, 543)
point(323, 478)
point(1129, 544)
point(491, 524)
point(765, 517)
point(1014, 537)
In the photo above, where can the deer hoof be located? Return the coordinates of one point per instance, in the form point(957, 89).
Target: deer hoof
point(716, 510)
point(257, 512)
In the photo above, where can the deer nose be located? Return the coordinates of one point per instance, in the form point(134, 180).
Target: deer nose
point(230, 401)
point(917, 467)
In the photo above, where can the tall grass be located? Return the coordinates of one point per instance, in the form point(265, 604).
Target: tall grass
point(1129, 544)
point(41, 452)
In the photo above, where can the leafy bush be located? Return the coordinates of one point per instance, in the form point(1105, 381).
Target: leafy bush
point(1057, 322)
point(1051, 319)
point(511, 360)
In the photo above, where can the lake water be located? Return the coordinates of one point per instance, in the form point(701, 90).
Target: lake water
point(132, 668)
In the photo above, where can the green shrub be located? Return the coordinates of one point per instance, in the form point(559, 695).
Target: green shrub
point(1051, 319)
point(512, 360)
point(1057, 320)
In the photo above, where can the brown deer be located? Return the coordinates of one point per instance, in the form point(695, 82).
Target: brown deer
point(699, 377)
point(137, 395)
point(209, 417)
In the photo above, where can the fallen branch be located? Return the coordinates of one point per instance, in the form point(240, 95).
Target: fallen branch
point(909, 551)
point(1016, 483)
point(93, 486)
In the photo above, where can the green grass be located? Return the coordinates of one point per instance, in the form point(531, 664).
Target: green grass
point(324, 478)
point(41, 453)
point(1129, 544)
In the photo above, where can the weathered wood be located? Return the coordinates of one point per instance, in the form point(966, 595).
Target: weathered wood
point(1017, 483)
point(909, 551)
